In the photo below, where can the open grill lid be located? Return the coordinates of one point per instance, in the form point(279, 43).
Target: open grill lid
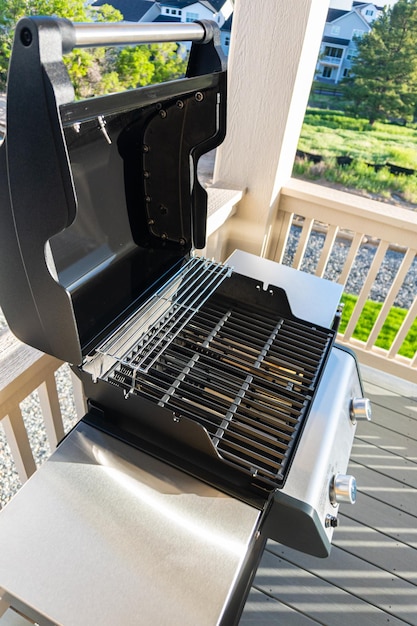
point(101, 200)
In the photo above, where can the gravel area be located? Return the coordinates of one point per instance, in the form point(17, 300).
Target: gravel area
point(360, 267)
point(30, 407)
point(32, 416)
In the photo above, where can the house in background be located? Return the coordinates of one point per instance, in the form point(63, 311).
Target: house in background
point(190, 10)
point(137, 11)
point(134, 10)
point(338, 46)
point(225, 34)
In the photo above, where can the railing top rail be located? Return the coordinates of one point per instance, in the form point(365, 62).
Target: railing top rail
point(352, 204)
point(350, 212)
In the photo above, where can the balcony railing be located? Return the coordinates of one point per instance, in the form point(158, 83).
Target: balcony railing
point(358, 221)
point(30, 410)
point(329, 60)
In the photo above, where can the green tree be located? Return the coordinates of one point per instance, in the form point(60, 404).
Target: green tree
point(383, 81)
point(87, 68)
point(168, 60)
point(134, 67)
point(142, 65)
point(99, 70)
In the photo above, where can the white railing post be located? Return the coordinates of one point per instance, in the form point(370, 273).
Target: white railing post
point(16, 435)
point(79, 397)
point(350, 216)
point(51, 410)
point(272, 60)
point(364, 294)
point(391, 295)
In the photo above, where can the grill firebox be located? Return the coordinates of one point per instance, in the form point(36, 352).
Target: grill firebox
point(246, 373)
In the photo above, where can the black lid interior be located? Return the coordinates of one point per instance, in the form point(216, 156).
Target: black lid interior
point(104, 201)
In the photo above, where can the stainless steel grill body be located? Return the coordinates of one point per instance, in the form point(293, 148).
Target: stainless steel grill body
point(322, 453)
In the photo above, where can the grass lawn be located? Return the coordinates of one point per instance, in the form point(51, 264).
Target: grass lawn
point(388, 330)
point(332, 134)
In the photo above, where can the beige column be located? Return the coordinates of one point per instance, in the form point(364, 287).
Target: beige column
point(273, 54)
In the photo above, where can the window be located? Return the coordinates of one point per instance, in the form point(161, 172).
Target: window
point(227, 41)
point(335, 30)
point(357, 33)
point(174, 11)
point(335, 53)
point(345, 72)
point(191, 17)
point(327, 72)
point(369, 12)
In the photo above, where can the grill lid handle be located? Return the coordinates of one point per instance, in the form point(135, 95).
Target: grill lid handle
point(121, 34)
point(98, 34)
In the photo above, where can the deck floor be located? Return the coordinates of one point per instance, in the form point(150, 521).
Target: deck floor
point(370, 577)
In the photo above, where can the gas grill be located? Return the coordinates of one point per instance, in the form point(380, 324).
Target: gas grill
point(226, 373)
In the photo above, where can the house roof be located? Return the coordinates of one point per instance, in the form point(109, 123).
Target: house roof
point(227, 26)
point(132, 10)
point(334, 14)
point(216, 5)
point(336, 40)
point(167, 18)
point(177, 4)
point(357, 5)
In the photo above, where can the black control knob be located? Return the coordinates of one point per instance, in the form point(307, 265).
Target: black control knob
point(331, 521)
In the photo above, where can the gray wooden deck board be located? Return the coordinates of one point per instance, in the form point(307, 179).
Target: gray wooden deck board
point(370, 577)
point(344, 574)
point(263, 610)
point(395, 493)
point(395, 453)
point(384, 551)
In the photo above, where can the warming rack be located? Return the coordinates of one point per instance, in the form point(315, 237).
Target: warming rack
point(150, 329)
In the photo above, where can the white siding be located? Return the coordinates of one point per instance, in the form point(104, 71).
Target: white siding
point(196, 11)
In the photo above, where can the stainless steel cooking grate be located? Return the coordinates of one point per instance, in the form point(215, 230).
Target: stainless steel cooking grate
point(246, 376)
point(156, 323)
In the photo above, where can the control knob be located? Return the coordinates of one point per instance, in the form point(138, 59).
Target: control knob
point(343, 489)
point(360, 408)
